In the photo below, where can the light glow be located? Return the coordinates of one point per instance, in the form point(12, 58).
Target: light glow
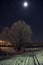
point(25, 4)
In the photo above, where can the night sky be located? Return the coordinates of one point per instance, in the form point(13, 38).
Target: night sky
point(12, 10)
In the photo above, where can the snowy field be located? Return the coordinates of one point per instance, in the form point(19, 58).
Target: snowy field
point(25, 59)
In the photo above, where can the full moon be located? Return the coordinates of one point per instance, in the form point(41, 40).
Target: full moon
point(25, 4)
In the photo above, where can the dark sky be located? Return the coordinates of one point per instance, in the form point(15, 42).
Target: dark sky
point(12, 10)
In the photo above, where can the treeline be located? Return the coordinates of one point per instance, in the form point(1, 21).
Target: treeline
point(18, 33)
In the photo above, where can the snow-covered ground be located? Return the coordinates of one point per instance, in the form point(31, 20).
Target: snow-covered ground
point(25, 59)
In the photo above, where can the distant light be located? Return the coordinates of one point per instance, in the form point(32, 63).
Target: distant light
point(25, 4)
point(1, 41)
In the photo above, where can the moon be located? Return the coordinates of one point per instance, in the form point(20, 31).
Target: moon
point(25, 4)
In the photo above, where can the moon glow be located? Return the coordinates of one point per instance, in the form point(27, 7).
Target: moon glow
point(25, 4)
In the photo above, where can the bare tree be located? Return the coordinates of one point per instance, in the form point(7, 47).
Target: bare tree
point(5, 34)
point(20, 33)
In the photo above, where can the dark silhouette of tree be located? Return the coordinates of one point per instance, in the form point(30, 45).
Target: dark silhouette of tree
point(5, 34)
point(20, 33)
